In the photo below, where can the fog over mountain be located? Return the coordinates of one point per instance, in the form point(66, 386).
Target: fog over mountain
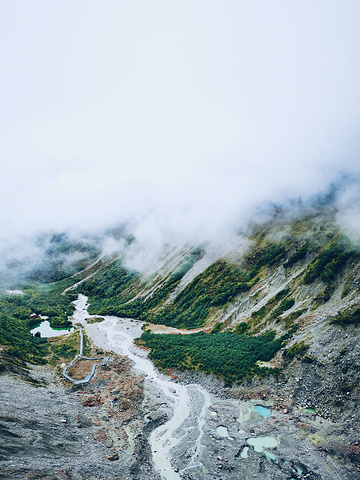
point(185, 119)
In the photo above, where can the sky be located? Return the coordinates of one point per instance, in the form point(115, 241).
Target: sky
point(179, 116)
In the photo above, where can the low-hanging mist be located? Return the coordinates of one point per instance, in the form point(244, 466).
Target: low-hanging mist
point(182, 120)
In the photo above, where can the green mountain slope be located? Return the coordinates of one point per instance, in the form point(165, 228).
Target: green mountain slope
point(295, 277)
point(281, 301)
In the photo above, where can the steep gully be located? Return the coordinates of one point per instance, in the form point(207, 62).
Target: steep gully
point(119, 334)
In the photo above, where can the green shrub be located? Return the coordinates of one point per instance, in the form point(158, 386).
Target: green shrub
point(225, 354)
point(217, 327)
point(283, 307)
point(265, 257)
point(293, 316)
point(349, 317)
point(241, 328)
point(296, 350)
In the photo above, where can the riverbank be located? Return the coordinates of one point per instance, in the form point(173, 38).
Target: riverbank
point(96, 432)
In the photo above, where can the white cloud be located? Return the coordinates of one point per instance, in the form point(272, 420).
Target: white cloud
point(185, 115)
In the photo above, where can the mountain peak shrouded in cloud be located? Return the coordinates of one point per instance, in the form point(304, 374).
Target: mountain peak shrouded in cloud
point(175, 118)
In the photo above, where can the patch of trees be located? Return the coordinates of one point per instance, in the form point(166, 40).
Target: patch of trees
point(109, 284)
point(264, 257)
point(241, 328)
point(284, 306)
point(297, 256)
point(227, 355)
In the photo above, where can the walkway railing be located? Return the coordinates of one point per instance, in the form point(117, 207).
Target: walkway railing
point(80, 355)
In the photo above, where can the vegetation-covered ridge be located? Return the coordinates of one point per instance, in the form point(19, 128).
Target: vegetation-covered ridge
point(112, 291)
point(320, 253)
point(15, 337)
point(115, 290)
point(218, 284)
point(290, 272)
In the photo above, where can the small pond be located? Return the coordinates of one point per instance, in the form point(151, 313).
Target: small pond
point(269, 455)
point(244, 453)
point(46, 331)
point(222, 431)
point(264, 412)
point(259, 443)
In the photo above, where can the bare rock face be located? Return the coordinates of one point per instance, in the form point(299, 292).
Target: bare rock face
point(94, 432)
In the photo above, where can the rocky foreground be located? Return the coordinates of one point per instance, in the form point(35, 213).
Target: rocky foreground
point(101, 431)
point(58, 432)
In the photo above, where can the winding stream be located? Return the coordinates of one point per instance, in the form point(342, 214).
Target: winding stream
point(207, 436)
point(189, 402)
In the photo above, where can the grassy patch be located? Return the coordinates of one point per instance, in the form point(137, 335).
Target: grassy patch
point(94, 320)
point(290, 319)
point(65, 347)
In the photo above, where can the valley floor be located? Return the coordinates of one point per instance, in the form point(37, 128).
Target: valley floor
point(101, 431)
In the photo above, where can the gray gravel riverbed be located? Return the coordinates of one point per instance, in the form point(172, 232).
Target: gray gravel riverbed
point(112, 427)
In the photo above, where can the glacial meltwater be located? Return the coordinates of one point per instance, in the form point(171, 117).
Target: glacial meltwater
point(264, 412)
point(184, 399)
